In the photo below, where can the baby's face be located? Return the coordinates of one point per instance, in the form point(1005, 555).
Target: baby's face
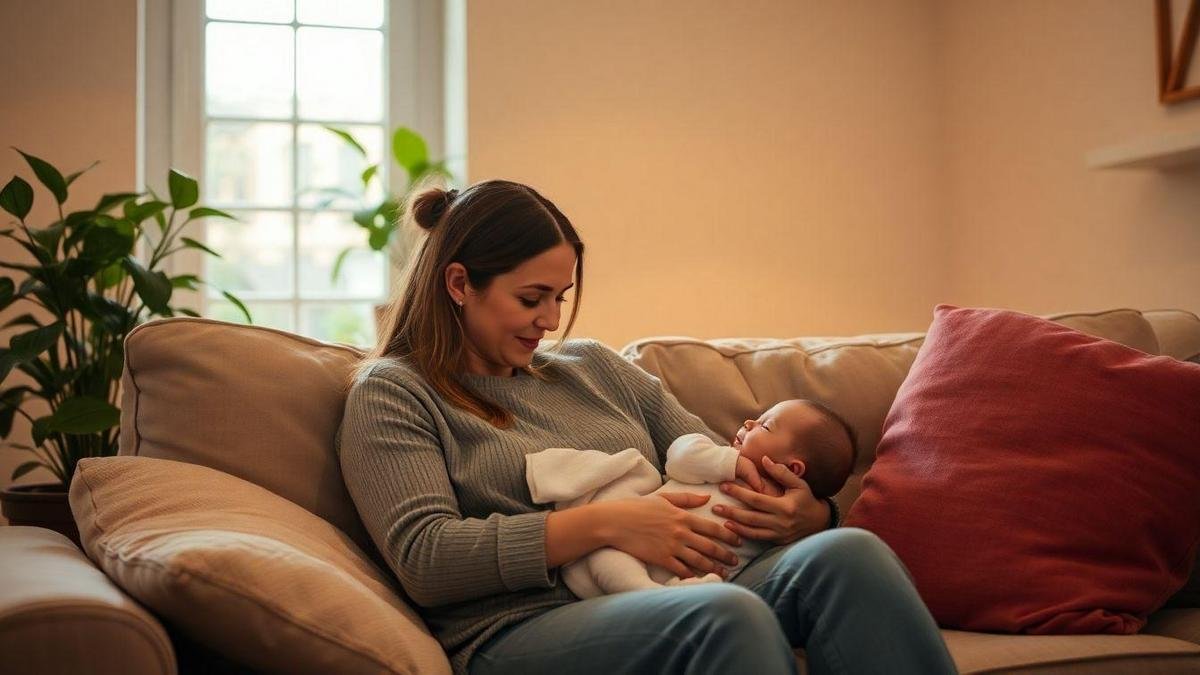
point(775, 434)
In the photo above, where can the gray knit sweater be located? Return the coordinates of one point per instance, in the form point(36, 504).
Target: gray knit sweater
point(443, 493)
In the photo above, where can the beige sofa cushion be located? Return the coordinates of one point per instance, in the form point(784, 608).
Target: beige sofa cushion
point(59, 614)
point(976, 653)
point(253, 402)
point(245, 572)
point(727, 381)
point(1178, 333)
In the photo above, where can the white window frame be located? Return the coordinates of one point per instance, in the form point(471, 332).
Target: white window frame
point(425, 82)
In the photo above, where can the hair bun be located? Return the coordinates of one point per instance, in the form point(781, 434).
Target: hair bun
point(429, 207)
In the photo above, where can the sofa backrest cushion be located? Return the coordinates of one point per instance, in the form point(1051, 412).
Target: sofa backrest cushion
point(726, 381)
point(257, 403)
point(1178, 333)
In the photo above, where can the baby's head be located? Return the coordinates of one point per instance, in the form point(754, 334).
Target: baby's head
point(809, 438)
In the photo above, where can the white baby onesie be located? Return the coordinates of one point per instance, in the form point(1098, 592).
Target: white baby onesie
point(569, 477)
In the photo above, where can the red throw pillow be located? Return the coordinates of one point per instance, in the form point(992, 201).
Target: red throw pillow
point(1035, 479)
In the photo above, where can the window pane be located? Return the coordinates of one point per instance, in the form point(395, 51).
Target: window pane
point(350, 322)
point(339, 74)
point(248, 70)
point(256, 255)
point(329, 166)
point(273, 314)
point(273, 11)
point(248, 164)
point(322, 237)
point(358, 13)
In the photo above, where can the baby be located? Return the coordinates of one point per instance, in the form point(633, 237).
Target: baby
point(805, 436)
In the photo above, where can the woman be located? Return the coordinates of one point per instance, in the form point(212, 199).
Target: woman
point(432, 446)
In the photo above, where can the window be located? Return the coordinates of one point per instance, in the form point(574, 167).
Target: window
point(252, 88)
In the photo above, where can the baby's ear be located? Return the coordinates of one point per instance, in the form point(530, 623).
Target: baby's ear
point(797, 467)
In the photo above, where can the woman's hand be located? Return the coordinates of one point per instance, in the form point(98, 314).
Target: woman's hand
point(783, 518)
point(657, 530)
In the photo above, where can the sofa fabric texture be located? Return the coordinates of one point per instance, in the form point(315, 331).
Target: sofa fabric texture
point(1034, 479)
point(241, 377)
point(265, 404)
point(60, 614)
point(244, 571)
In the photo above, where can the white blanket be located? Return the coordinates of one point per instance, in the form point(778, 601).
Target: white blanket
point(568, 477)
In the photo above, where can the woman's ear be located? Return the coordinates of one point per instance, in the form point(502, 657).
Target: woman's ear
point(797, 467)
point(456, 282)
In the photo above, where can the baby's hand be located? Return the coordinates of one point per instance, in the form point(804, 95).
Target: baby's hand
point(748, 472)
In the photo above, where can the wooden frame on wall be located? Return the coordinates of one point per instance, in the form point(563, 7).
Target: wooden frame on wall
point(1173, 64)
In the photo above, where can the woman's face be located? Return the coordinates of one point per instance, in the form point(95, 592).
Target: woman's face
point(504, 322)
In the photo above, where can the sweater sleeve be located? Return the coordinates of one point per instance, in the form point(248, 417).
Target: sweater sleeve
point(393, 465)
point(666, 419)
point(696, 459)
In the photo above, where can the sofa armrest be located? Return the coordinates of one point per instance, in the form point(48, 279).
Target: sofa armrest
point(60, 614)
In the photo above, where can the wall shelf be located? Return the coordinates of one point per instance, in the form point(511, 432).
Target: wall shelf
point(1165, 151)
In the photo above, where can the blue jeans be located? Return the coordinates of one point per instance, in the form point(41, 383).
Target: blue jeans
point(841, 594)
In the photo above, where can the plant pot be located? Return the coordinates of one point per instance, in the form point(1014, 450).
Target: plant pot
point(40, 505)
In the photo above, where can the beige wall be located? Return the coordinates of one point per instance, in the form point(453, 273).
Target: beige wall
point(69, 85)
point(1031, 87)
point(779, 168)
point(758, 168)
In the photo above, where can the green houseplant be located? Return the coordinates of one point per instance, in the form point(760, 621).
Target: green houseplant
point(84, 273)
point(382, 220)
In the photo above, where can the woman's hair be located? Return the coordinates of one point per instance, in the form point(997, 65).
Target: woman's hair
point(490, 228)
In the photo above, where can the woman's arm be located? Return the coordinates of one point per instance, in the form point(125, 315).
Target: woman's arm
point(392, 462)
point(573, 533)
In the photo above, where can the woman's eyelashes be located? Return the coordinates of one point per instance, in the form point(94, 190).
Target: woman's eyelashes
point(533, 302)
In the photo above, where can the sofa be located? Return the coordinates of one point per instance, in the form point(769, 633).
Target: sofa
point(221, 538)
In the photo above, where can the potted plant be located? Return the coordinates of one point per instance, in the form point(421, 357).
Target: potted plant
point(382, 220)
point(92, 289)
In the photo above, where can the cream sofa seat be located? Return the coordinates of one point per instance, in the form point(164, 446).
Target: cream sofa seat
point(263, 406)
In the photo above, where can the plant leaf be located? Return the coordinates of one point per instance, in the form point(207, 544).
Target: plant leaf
point(105, 245)
point(205, 212)
point(378, 238)
point(17, 197)
point(188, 312)
point(349, 139)
point(24, 468)
point(238, 303)
point(8, 292)
point(38, 430)
point(28, 345)
point(153, 287)
point(10, 402)
point(192, 243)
point(139, 212)
point(110, 200)
point(71, 178)
point(49, 237)
point(337, 264)
point(48, 175)
point(184, 190)
point(83, 415)
point(25, 319)
point(410, 150)
point(369, 173)
point(187, 281)
point(110, 276)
